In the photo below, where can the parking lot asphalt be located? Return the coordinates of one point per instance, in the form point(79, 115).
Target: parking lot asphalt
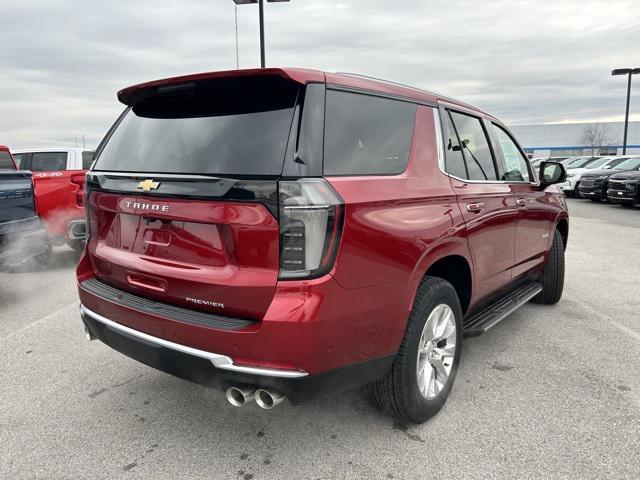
point(551, 392)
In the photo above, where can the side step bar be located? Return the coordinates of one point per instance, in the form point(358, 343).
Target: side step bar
point(482, 321)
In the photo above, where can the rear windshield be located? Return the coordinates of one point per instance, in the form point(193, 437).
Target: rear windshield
point(48, 161)
point(5, 161)
point(220, 131)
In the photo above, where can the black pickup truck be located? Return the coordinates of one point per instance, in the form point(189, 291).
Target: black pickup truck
point(21, 232)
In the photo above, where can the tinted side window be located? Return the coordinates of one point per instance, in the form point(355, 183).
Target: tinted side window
point(475, 147)
point(515, 164)
point(366, 134)
point(49, 161)
point(454, 161)
point(87, 159)
point(5, 161)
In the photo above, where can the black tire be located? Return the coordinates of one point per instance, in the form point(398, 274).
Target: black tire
point(552, 278)
point(398, 393)
point(576, 191)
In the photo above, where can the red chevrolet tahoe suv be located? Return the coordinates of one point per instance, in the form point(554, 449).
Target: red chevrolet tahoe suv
point(290, 233)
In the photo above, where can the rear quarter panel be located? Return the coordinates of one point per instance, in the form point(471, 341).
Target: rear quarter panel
point(396, 226)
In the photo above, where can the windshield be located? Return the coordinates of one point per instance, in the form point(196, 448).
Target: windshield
point(568, 161)
point(614, 163)
point(596, 163)
point(629, 164)
point(232, 131)
point(580, 162)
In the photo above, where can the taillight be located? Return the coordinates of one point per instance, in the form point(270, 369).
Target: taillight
point(78, 179)
point(310, 227)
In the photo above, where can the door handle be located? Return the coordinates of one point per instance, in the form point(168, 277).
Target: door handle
point(522, 202)
point(475, 207)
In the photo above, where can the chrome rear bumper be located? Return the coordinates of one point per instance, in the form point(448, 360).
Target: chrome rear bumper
point(219, 361)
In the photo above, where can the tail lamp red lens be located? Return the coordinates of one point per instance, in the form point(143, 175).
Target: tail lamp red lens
point(79, 179)
point(311, 216)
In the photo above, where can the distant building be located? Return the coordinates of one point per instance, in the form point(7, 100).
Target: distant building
point(567, 139)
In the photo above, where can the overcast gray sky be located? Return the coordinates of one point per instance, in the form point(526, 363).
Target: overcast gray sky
point(527, 61)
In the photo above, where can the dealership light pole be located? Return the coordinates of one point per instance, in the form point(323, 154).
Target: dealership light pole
point(628, 72)
point(261, 15)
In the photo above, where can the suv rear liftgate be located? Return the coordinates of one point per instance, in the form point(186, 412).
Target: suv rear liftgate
point(192, 222)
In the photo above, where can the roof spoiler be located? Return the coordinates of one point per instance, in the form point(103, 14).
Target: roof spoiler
point(136, 93)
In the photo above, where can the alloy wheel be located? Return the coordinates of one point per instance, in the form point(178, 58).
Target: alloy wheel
point(436, 351)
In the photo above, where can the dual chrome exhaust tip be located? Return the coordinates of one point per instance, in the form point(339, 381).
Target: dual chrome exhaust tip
point(238, 396)
point(265, 398)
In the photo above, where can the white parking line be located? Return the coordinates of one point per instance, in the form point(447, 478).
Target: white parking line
point(629, 331)
point(39, 321)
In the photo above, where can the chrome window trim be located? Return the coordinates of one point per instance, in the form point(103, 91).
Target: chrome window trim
point(219, 361)
point(441, 158)
point(439, 141)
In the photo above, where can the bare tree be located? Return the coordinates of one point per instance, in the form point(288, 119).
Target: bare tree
point(597, 135)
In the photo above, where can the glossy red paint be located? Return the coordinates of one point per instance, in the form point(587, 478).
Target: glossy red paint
point(314, 325)
point(395, 228)
point(299, 75)
point(58, 199)
point(393, 222)
point(217, 252)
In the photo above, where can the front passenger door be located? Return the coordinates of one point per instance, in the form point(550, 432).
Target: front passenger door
point(534, 214)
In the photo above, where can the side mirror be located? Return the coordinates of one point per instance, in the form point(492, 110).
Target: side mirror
point(552, 173)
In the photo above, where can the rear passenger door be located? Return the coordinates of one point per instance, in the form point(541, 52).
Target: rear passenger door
point(535, 217)
point(487, 204)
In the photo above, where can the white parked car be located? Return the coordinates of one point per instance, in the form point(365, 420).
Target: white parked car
point(576, 168)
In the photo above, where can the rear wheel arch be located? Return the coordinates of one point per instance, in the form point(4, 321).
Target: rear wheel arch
point(562, 226)
point(456, 270)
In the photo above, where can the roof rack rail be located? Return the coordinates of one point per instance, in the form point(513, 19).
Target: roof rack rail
point(349, 74)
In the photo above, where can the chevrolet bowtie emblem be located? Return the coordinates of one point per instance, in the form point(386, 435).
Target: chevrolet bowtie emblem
point(148, 185)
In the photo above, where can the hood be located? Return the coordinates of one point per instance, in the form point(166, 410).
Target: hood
point(572, 172)
point(628, 175)
point(600, 173)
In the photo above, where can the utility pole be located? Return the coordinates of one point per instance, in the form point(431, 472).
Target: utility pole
point(261, 14)
point(261, 18)
point(629, 72)
point(237, 49)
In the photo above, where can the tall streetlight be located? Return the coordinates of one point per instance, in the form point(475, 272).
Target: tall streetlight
point(261, 13)
point(629, 72)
